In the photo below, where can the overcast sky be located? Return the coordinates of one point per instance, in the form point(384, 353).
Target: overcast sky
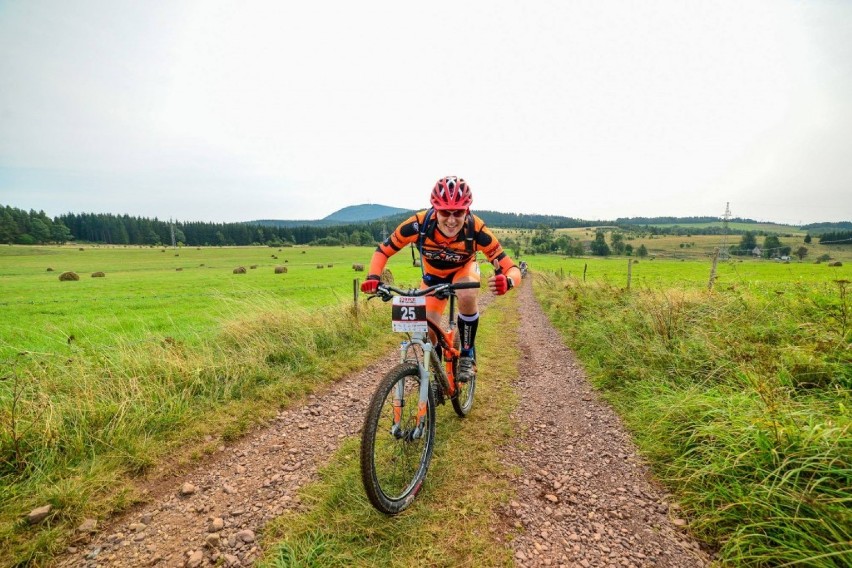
point(233, 111)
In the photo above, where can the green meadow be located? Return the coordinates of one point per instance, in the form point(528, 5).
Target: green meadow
point(156, 292)
point(104, 378)
point(692, 273)
point(738, 397)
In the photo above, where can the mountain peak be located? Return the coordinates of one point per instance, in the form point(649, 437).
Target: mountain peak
point(364, 212)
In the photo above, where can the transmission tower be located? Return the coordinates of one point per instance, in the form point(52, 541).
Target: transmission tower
point(723, 250)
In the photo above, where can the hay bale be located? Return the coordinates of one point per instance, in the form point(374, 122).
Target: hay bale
point(69, 276)
point(838, 263)
point(358, 267)
point(280, 270)
point(386, 277)
point(98, 275)
point(81, 248)
point(49, 269)
point(253, 267)
point(179, 269)
point(240, 270)
point(331, 266)
point(320, 266)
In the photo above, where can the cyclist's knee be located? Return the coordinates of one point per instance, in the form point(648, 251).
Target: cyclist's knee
point(469, 305)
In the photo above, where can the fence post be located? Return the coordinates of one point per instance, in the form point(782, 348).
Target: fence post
point(355, 289)
point(629, 271)
point(585, 267)
point(713, 269)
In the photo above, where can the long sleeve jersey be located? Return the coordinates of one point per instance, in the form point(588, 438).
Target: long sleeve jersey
point(441, 255)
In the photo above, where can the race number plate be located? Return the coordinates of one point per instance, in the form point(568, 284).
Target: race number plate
point(409, 314)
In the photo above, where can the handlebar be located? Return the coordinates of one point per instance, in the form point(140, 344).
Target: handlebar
point(444, 290)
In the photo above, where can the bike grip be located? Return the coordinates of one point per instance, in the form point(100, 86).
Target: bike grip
point(465, 285)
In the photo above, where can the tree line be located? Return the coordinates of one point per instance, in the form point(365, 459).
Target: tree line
point(35, 227)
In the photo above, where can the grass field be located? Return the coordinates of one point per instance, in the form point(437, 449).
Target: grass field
point(154, 292)
point(104, 378)
point(694, 247)
point(690, 273)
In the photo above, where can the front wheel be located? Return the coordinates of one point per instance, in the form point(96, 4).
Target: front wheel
point(396, 448)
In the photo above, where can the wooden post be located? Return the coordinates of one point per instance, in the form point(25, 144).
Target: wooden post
point(713, 270)
point(629, 271)
point(355, 289)
point(585, 267)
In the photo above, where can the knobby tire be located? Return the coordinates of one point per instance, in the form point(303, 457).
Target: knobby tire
point(393, 468)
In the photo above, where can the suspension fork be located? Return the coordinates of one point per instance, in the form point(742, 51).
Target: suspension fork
point(423, 396)
point(425, 376)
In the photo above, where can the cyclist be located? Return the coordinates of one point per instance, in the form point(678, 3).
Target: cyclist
point(448, 236)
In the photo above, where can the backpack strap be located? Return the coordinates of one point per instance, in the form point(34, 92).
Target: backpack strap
point(426, 225)
point(470, 234)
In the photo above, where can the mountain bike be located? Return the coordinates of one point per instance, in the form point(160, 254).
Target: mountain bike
point(399, 427)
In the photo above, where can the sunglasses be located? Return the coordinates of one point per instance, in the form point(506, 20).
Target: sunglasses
point(457, 213)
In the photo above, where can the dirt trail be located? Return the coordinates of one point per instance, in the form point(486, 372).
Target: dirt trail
point(583, 496)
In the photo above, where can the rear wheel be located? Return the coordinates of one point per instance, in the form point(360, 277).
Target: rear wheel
point(395, 454)
point(463, 401)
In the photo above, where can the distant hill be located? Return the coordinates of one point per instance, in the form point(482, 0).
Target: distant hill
point(365, 212)
point(348, 215)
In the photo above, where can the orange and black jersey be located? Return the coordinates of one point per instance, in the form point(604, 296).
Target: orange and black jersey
point(442, 255)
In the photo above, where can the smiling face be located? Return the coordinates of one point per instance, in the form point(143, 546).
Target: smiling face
point(450, 222)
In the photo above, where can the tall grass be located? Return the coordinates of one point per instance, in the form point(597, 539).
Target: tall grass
point(740, 399)
point(74, 430)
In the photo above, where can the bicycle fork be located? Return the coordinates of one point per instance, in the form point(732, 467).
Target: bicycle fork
point(397, 429)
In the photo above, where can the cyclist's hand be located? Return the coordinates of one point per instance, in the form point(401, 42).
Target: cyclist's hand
point(499, 284)
point(371, 284)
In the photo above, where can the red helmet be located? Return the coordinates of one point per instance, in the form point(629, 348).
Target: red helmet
point(451, 192)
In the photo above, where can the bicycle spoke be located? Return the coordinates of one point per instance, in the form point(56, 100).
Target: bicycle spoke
point(395, 452)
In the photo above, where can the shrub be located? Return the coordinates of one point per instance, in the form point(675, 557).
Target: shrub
point(280, 270)
point(98, 274)
point(69, 276)
point(240, 270)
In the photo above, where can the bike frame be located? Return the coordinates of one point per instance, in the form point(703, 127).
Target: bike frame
point(425, 365)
